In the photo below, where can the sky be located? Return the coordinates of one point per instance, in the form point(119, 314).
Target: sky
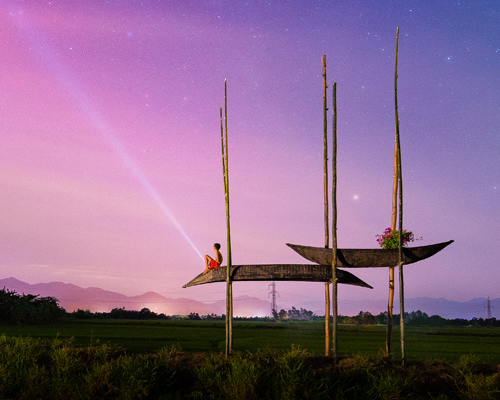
point(110, 152)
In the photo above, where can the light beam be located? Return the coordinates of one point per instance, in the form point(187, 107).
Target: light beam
point(58, 69)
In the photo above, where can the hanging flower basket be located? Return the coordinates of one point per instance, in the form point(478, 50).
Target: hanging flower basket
point(390, 238)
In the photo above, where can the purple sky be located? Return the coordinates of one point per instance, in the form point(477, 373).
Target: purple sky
point(110, 165)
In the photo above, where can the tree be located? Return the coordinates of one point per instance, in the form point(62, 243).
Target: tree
point(194, 316)
point(82, 314)
point(282, 315)
point(418, 318)
point(436, 320)
point(306, 315)
point(381, 319)
point(365, 318)
point(293, 314)
point(28, 308)
point(146, 313)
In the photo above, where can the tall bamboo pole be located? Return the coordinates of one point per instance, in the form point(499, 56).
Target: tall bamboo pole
point(327, 227)
point(229, 252)
point(229, 286)
point(334, 219)
point(400, 186)
point(394, 216)
point(226, 206)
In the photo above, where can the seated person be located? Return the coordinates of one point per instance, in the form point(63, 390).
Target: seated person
point(211, 263)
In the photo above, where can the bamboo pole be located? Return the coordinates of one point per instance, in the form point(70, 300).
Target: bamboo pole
point(229, 285)
point(325, 153)
point(395, 183)
point(225, 202)
point(327, 227)
point(334, 220)
point(390, 305)
point(390, 312)
point(400, 186)
point(229, 253)
point(327, 318)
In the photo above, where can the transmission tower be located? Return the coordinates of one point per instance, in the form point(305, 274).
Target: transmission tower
point(273, 293)
point(488, 307)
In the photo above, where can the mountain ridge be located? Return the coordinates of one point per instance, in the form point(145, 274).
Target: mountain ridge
point(72, 297)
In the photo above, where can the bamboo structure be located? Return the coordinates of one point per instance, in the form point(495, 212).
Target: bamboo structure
point(229, 285)
point(278, 272)
point(334, 220)
point(327, 227)
point(394, 216)
point(400, 187)
point(327, 260)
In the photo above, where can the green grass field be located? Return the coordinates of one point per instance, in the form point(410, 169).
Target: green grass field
point(184, 360)
point(422, 343)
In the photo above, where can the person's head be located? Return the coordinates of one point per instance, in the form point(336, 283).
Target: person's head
point(217, 246)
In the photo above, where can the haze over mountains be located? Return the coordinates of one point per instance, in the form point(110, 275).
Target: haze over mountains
point(72, 297)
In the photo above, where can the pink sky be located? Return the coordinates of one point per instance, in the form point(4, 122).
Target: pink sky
point(110, 163)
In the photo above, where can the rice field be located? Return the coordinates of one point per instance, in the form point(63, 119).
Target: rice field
point(422, 343)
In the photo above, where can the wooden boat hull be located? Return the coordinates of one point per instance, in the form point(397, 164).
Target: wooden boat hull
point(277, 272)
point(367, 258)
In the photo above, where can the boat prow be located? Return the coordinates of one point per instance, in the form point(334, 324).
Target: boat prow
point(368, 258)
point(277, 272)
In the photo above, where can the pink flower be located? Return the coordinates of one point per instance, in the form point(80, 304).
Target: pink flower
point(390, 238)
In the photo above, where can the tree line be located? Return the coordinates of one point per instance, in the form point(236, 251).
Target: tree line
point(28, 308)
point(416, 318)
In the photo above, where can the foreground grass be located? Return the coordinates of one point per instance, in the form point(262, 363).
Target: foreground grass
point(422, 343)
point(57, 369)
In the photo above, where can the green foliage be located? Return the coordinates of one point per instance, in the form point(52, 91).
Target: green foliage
point(474, 383)
point(363, 318)
point(294, 374)
point(144, 314)
point(57, 369)
point(32, 369)
point(15, 308)
point(294, 315)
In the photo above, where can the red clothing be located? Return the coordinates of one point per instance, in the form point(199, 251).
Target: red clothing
point(213, 264)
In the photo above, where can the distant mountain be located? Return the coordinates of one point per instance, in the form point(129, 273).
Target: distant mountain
point(73, 297)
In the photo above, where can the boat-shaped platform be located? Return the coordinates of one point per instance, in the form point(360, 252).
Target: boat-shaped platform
point(368, 258)
point(277, 272)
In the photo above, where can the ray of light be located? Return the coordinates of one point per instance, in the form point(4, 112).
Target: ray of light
point(53, 62)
